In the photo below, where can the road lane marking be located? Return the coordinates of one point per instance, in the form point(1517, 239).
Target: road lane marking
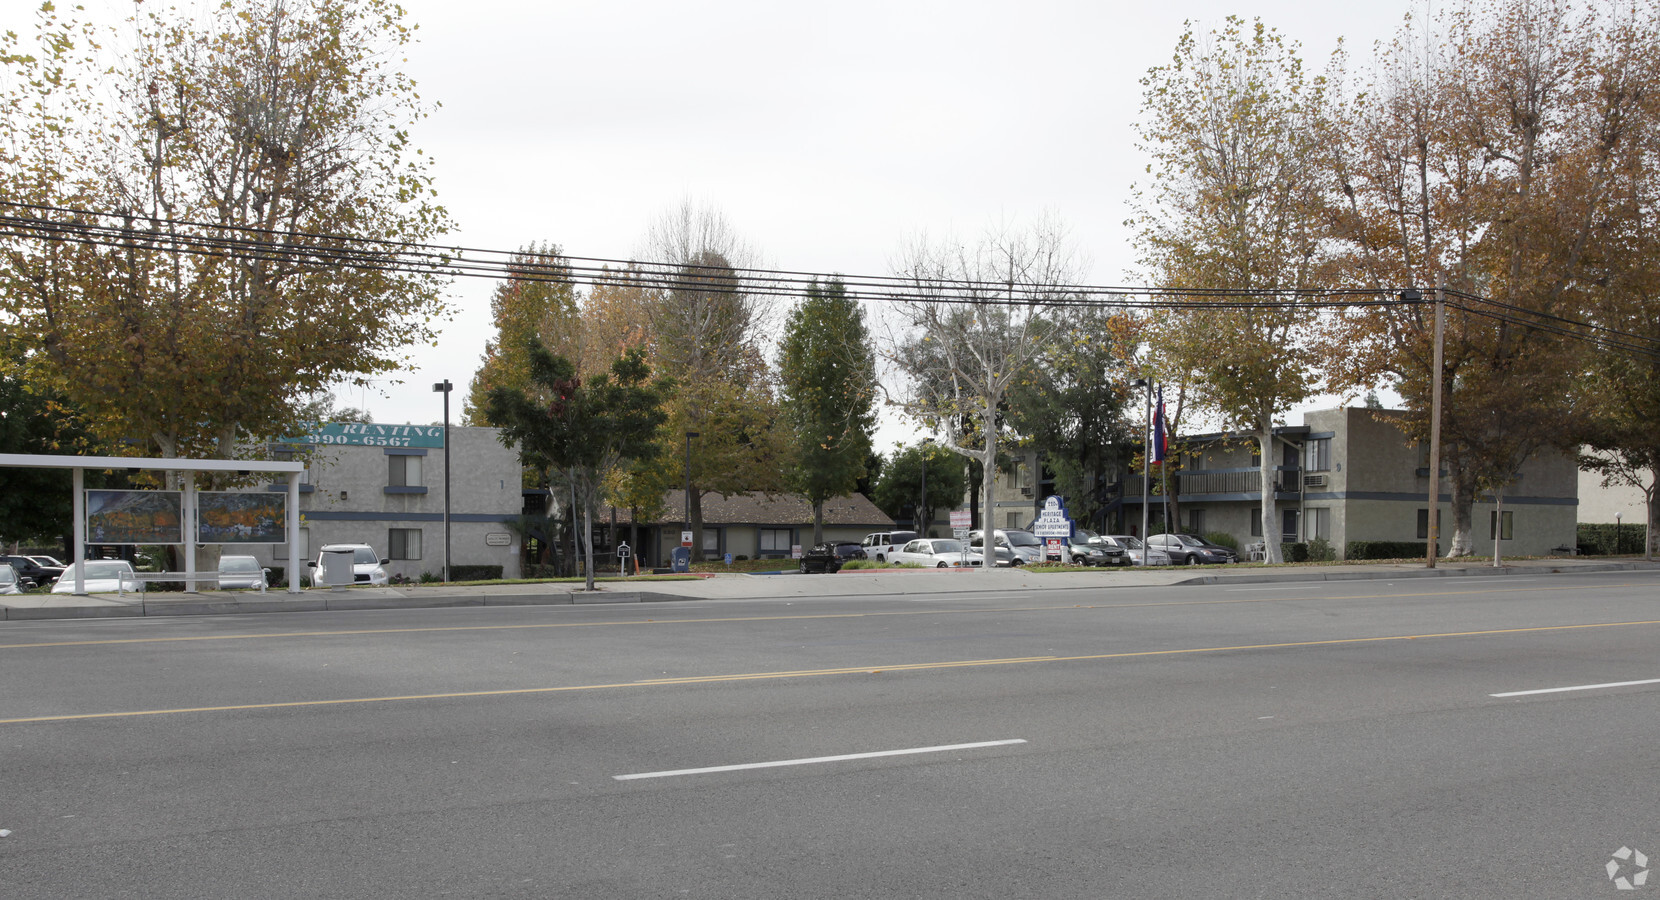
point(809, 673)
point(817, 759)
point(1059, 607)
point(1577, 687)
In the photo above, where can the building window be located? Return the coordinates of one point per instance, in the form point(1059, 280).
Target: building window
point(1317, 455)
point(1196, 521)
point(1256, 523)
point(1319, 523)
point(1508, 527)
point(1011, 521)
point(405, 543)
point(775, 540)
point(1423, 524)
point(711, 540)
point(403, 471)
point(303, 548)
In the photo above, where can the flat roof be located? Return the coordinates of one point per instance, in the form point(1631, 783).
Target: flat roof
point(53, 461)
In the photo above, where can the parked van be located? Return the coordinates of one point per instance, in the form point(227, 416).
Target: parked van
point(879, 545)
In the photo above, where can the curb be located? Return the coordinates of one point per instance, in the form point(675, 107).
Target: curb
point(1462, 572)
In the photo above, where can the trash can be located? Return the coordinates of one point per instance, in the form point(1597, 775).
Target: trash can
point(680, 559)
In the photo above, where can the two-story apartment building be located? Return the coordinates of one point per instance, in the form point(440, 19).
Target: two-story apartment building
point(1351, 474)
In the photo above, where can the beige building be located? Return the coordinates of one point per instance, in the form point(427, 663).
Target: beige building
point(1351, 474)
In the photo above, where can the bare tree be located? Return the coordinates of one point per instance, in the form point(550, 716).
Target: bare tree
point(980, 315)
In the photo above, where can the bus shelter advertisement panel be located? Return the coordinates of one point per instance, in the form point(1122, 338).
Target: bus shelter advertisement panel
point(232, 517)
point(134, 517)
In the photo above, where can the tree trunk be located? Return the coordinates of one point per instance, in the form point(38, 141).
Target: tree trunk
point(818, 521)
point(1498, 526)
point(1649, 533)
point(588, 539)
point(988, 485)
point(1463, 499)
point(696, 525)
point(1265, 475)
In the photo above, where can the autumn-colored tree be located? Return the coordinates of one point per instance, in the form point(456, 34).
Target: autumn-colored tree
point(537, 299)
point(1483, 155)
point(706, 327)
point(1235, 131)
point(272, 136)
point(829, 390)
point(981, 314)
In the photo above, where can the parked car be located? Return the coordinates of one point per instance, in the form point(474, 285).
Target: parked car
point(829, 556)
point(1136, 550)
point(937, 553)
point(27, 567)
point(367, 568)
point(880, 545)
point(242, 572)
point(1005, 555)
point(1025, 546)
point(50, 562)
point(1190, 550)
point(103, 576)
point(11, 582)
point(1088, 550)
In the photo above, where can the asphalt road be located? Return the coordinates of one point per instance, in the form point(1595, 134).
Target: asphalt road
point(1293, 740)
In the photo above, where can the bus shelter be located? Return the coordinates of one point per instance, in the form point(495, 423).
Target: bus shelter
point(187, 469)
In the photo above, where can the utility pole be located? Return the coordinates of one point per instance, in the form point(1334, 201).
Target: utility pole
point(1435, 428)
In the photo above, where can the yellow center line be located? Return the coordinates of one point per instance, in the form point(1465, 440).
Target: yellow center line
point(809, 673)
point(929, 611)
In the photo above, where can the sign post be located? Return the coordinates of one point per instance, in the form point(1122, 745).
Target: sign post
point(623, 553)
point(1055, 526)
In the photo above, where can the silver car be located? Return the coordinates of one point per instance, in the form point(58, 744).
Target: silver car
point(242, 572)
point(935, 553)
point(1138, 553)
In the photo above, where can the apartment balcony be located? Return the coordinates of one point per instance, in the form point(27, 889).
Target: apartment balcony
point(1224, 484)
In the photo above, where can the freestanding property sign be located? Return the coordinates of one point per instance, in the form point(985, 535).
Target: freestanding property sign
point(1054, 526)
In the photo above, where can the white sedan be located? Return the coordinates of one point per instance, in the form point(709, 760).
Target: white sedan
point(934, 553)
point(103, 576)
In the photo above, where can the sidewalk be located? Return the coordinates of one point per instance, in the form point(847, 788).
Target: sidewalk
point(849, 583)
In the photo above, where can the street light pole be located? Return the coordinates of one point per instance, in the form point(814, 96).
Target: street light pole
point(922, 511)
point(444, 387)
point(688, 528)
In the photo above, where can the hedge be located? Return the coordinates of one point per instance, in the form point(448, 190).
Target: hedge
point(1386, 550)
point(475, 573)
point(1604, 540)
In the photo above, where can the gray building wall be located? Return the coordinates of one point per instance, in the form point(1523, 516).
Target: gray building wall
point(347, 498)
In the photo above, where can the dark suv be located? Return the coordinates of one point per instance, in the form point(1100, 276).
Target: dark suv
point(27, 568)
point(829, 556)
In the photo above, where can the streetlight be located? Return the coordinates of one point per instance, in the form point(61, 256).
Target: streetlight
point(1146, 461)
point(688, 528)
point(444, 387)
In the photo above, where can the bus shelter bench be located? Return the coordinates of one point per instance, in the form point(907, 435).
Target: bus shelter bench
point(139, 580)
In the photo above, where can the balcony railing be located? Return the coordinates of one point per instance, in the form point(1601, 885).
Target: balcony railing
point(1287, 480)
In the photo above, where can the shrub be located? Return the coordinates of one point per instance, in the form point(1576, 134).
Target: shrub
point(1386, 550)
point(535, 570)
point(401, 578)
point(428, 578)
point(1297, 552)
point(1603, 539)
point(1223, 538)
point(475, 573)
point(1321, 550)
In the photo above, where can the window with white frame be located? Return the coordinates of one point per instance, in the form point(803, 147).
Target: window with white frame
point(404, 543)
point(303, 548)
point(403, 471)
point(711, 540)
point(1507, 528)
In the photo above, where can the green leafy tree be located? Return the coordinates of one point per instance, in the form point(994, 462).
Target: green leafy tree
point(585, 430)
point(829, 391)
point(37, 505)
point(1074, 406)
point(279, 129)
point(1235, 131)
point(902, 482)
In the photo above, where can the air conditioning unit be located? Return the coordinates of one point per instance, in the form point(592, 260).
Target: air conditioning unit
point(1314, 481)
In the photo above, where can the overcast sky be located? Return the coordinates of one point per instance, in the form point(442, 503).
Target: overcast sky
point(828, 134)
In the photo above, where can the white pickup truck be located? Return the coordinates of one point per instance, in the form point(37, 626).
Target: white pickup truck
point(879, 545)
